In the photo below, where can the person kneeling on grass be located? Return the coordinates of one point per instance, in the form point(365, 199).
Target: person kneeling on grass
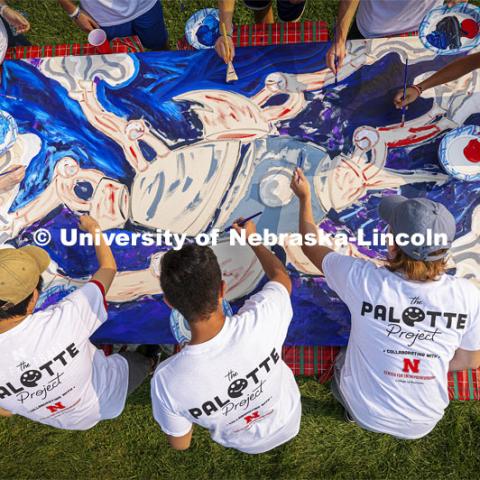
point(231, 378)
point(51, 373)
point(411, 322)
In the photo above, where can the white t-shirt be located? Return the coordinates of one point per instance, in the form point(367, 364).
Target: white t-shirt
point(403, 336)
point(52, 374)
point(381, 18)
point(108, 13)
point(236, 384)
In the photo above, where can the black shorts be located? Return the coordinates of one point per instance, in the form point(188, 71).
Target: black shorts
point(287, 12)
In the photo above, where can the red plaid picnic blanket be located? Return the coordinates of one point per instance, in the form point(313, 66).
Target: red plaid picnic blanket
point(118, 45)
point(273, 34)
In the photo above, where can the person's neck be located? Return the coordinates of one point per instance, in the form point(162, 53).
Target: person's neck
point(206, 329)
point(12, 322)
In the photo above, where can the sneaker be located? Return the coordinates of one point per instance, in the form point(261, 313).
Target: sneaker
point(290, 12)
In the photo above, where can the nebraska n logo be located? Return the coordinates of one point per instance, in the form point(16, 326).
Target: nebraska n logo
point(55, 407)
point(411, 365)
point(252, 417)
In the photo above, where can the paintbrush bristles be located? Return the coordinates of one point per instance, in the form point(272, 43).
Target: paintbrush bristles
point(231, 73)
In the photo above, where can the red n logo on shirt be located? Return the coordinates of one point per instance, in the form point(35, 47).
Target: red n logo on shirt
point(55, 407)
point(411, 365)
point(253, 416)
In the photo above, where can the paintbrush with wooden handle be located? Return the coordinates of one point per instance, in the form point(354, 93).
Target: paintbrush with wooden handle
point(231, 73)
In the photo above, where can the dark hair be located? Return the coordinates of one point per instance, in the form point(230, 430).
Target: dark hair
point(20, 309)
point(191, 281)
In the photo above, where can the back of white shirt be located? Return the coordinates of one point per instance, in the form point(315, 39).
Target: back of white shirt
point(236, 385)
point(52, 374)
point(403, 336)
point(381, 18)
point(108, 13)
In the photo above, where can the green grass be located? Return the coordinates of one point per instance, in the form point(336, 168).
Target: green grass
point(50, 24)
point(133, 447)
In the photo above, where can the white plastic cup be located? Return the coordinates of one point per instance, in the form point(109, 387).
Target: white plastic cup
point(98, 38)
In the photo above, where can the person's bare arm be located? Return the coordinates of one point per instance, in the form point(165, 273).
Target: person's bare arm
point(346, 12)
point(84, 21)
point(180, 443)
point(300, 186)
point(5, 413)
point(464, 359)
point(106, 261)
point(458, 68)
point(226, 49)
point(272, 266)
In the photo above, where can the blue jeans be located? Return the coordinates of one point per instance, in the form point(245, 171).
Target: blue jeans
point(150, 28)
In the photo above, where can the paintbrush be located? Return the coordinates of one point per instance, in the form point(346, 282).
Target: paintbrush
point(404, 107)
point(244, 221)
point(300, 163)
point(335, 45)
point(231, 73)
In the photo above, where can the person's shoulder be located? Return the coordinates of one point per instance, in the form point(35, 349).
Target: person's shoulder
point(275, 288)
point(272, 293)
point(339, 262)
point(167, 367)
point(465, 286)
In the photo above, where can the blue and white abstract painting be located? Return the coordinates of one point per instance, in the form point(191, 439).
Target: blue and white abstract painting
point(152, 142)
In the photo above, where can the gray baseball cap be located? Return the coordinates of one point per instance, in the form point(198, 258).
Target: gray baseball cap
point(422, 216)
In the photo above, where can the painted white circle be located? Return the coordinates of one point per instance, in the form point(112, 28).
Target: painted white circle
point(67, 167)
point(365, 138)
point(276, 82)
point(135, 130)
point(275, 188)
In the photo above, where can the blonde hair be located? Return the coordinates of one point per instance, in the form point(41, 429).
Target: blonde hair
point(417, 270)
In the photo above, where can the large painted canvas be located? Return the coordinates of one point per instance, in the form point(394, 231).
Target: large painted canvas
point(159, 141)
